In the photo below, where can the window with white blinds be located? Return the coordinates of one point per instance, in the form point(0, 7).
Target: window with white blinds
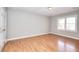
point(67, 23)
point(61, 24)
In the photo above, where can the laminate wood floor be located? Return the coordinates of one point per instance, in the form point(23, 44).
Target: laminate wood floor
point(43, 43)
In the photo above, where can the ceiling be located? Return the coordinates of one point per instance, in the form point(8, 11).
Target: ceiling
point(45, 11)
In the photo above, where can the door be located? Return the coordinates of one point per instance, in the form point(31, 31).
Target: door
point(2, 27)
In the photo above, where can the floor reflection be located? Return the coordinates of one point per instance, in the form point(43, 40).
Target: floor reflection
point(65, 46)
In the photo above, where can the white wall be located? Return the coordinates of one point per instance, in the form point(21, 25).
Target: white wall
point(22, 23)
point(66, 33)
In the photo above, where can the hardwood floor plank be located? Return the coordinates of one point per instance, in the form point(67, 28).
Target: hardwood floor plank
point(44, 43)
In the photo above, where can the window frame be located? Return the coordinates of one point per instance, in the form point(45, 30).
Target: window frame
point(65, 17)
point(61, 23)
point(75, 23)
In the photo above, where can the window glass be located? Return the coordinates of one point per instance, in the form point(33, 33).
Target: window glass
point(70, 20)
point(61, 24)
point(67, 23)
point(71, 23)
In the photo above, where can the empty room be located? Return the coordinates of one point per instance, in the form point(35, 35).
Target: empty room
point(39, 29)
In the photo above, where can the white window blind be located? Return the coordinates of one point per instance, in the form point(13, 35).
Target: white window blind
point(67, 23)
point(71, 23)
point(61, 24)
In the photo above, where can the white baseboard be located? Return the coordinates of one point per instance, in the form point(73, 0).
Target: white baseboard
point(26, 36)
point(66, 36)
point(39, 35)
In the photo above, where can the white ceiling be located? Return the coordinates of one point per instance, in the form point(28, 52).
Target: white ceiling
point(45, 11)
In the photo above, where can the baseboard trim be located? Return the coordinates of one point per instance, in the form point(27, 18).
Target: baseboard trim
point(66, 36)
point(17, 38)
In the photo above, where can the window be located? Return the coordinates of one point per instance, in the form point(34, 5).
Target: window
point(61, 24)
point(67, 23)
point(71, 23)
